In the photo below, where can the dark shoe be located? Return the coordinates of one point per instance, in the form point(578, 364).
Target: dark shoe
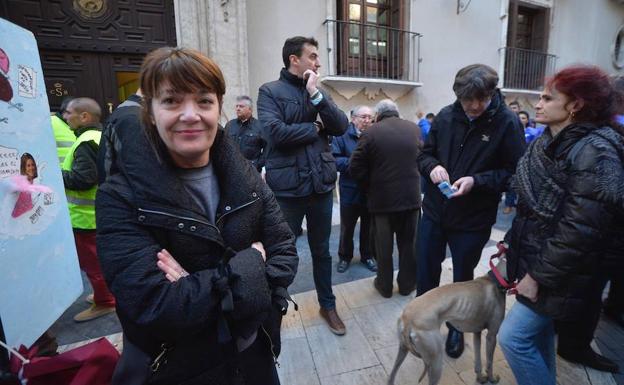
point(407, 292)
point(590, 358)
point(333, 321)
point(342, 266)
point(454, 342)
point(380, 290)
point(370, 264)
point(614, 315)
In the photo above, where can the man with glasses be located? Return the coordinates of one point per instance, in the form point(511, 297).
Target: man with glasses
point(474, 145)
point(352, 199)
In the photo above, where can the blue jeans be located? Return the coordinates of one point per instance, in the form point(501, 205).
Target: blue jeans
point(466, 248)
point(528, 342)
point(317, 209)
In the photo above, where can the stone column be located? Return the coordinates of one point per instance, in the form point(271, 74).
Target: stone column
point(218, 28)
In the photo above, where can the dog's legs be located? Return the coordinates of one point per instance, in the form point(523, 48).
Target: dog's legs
point(434, 370)
point(399, 360)
point(476, 342)
point(490, 345)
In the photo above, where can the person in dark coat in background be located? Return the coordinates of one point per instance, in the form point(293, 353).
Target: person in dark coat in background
point(385, 165)
point(352, 198)
point(474, 144)
point(247, 132)
point(123, 128)
point(300, 168)
point(192, 241)
point(569, 224)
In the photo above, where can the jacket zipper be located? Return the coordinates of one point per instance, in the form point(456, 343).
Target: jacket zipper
point(236, 209)
point(179, 217)
point(275, 361)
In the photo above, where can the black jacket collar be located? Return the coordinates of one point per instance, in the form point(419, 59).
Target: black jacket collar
point(292, 79)
point(495, 106)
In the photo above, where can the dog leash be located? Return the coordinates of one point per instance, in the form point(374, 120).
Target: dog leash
point(510, 287)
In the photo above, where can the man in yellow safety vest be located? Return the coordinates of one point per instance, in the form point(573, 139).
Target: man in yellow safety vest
point(80, 179)
point(63, 135)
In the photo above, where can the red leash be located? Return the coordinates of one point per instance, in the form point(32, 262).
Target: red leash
point(511, 287)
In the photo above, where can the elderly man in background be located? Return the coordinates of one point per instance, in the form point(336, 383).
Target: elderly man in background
point(247, 132)
point(384, 164)
point(352, 198)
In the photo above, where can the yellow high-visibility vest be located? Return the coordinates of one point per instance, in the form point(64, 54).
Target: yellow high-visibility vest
point(81, 203)
point(64, 137)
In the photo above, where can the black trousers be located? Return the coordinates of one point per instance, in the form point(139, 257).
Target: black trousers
point(615, 298)
point(349, 215)
point(577, 335)
point(384, 227)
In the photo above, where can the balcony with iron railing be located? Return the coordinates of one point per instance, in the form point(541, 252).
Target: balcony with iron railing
point(365, 54)
point(526, 69)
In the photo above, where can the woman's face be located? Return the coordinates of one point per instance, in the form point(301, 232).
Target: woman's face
point(553, 108)
point(187, 124)
point(31, 169)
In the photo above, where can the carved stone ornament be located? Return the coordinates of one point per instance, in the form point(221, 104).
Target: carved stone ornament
point(90, 9)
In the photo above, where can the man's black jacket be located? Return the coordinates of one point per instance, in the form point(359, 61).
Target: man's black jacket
point(83, 174)
point(385, 164)
point(248, 135)
point(487, 148)
point(299, 161)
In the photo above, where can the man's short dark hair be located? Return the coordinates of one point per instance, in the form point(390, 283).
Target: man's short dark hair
point(514, 103)
point(294, 46)
point(476, 81)
point(430, 115)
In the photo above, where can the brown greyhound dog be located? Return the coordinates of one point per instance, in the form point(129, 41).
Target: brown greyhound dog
point(469, 306)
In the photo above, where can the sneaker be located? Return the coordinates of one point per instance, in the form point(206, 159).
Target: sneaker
point(342, 266)
point(333, 321)
point(93, 312)
point(370, 264)
point(89, 298)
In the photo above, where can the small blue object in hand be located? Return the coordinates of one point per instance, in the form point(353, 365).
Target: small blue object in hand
point(447, 189)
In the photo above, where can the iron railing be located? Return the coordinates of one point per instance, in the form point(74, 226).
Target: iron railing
point(373, 51)
point(526, 69)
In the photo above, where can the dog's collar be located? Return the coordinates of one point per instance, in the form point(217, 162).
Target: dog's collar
point(493, 278)
point(496, 276)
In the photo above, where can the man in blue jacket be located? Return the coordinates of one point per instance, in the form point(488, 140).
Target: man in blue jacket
point(300, 168)
point(352, 199)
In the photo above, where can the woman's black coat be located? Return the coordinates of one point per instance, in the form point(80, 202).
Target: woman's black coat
point(145, 209)
point(587, 233)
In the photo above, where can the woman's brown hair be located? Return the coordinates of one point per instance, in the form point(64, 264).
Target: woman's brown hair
point(185, 70)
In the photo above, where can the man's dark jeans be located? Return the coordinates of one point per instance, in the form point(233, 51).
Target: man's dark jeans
point(317, 209)
point(466, 248)
point(349, 215)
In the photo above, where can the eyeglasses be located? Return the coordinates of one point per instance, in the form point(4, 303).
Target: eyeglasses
point(369, 117)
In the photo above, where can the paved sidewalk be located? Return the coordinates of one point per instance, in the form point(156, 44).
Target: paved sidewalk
point(312, 355)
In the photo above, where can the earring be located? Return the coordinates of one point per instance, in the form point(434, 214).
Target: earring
point(572, 114)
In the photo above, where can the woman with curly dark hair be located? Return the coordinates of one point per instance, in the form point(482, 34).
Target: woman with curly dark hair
point(570, 219)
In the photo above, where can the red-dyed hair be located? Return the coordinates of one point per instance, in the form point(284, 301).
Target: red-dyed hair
point(590, 84)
